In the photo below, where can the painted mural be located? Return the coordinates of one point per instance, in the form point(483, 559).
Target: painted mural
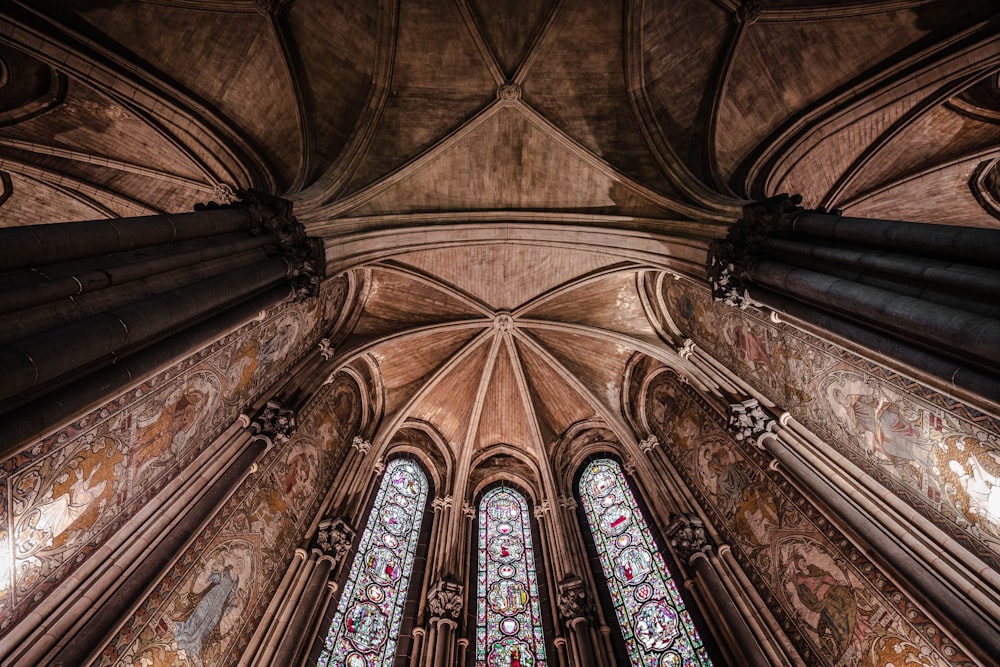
point(831, 601)
point(66, 494)
point(941, 456)
point(204, 611)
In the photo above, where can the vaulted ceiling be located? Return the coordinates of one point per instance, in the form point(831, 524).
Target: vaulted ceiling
point(504, 178)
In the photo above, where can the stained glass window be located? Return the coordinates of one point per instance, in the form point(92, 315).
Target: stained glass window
point(365, 629)
point(656, 626)
point(509, 619)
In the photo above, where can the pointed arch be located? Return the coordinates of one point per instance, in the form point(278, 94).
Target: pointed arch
point(509, 624)
point(654, 621)
point(366, 626)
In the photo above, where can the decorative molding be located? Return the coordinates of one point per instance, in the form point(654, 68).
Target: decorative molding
point(573, 602)
point(686, 533)
point(334, 538)
point(444, 600)
point(749, 421)
point(274, 422)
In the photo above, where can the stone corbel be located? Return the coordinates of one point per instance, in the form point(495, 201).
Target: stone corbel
point(573, 602)
point(334, 538)
point(274, 423)
point(749, 421)
point(444, 600)
point(686, 533)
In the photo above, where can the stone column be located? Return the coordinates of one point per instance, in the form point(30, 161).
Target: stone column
point(272, 424)
point(444, 606)
point(99, 304)
point(924, 295)
point(924, 576)
point(294, 637)
point(575, 610)
point(686, 534)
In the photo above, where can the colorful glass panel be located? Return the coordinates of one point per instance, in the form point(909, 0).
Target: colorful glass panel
point(365, 629)
point(656, 626)
point(509, 618)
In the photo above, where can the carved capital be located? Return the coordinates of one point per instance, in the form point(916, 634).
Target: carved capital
point(649, 444)
point(361, 444)
point(567, 502)
point(541, 509)
point(442, 503)
point(274, 422)
point(468, 511)
point(444, 600)
point(749, 421)
point(573, 600)
point(334, 538)
point(306, 256)
point(686, 349)
point(729, 259)
point(686, 533)
point(325, 350)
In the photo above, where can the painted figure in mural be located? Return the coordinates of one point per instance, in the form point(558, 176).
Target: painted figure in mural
point(890, 434)
point(191, 633)
point(749, 346)
point(723, 472)
point(756, 514)
point(981, 485)
point(829, 597)
point(62, 512)
point(162, 431)
point(278, 345)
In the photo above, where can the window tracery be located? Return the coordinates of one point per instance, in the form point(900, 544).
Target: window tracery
point(365, 629)
point(508, 617)
point(654, 622)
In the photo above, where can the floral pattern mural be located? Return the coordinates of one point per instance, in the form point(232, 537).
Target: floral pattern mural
point(832, 602)
point(66, 494)
point(939, 455)
point(205, 609)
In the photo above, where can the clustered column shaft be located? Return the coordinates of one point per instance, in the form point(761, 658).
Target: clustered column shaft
point(923, 295)
point(90, 306)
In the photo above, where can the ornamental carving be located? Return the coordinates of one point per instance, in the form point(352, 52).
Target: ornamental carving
point(274, 422)
point(509, 92)
point(442, 503)
point(729, 259)
point(573, 601)
point(325, 350)
point(649, 444)
point(306, 258)
point(361, 444)
point(444, 600)
point(749, 421)
point(686, 533)
point(334, 538)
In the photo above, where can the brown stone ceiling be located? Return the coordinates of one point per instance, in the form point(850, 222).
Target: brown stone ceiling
point(504, 174)
point(483, 369)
